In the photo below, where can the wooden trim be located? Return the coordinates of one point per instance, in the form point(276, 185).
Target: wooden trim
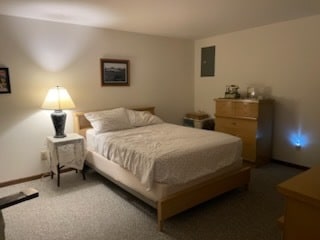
point(290, 164)
point(31, 178)
point(21, 180)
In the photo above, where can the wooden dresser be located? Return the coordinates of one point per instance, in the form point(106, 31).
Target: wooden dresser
point(301, 219)
point(251, 120)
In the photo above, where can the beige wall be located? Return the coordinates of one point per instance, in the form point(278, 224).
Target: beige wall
point(282, 61)
point(41, 55)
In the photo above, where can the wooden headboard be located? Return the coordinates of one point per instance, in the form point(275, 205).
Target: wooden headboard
point(81, 124)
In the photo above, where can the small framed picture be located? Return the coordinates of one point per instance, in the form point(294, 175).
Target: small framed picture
point(4, 81)
point(114, 72)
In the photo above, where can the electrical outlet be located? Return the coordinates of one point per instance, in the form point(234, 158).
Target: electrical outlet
point(44, 155)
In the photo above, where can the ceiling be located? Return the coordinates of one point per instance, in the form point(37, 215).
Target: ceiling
point(191, 19)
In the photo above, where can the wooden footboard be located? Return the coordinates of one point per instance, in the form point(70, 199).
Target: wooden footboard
point(200, 193)
point(184, 199)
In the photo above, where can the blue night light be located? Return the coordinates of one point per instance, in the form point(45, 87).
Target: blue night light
point(298, 140)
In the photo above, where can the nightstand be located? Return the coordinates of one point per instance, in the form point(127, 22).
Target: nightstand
point(66, 152)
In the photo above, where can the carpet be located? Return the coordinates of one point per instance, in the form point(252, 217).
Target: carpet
point(97, 209)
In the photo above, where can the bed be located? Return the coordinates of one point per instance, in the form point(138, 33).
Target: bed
point(170, 186)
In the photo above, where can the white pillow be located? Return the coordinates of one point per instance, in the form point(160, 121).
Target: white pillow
point(142, 118)
point(109, 120)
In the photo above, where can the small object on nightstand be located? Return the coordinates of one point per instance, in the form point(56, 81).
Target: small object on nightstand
point(200, 120)
point(66, 152)
point(197, 115)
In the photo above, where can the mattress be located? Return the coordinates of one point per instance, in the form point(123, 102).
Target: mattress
point(166, 153)
point(131, 183)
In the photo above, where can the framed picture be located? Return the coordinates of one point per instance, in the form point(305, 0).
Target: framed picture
point(4, 81)
point(114, 72)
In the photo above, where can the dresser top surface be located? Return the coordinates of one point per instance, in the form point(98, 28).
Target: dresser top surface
point(244, 100)
point(304, 186)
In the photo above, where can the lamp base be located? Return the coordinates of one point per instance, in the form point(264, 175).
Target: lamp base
point(59, 120)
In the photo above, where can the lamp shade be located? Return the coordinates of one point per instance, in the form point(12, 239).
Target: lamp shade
point(58, 98)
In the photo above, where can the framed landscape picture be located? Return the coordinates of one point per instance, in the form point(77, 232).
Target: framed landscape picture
point(114, 72)
point(4, 80)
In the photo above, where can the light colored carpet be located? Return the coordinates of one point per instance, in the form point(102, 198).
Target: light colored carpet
point(97, 209)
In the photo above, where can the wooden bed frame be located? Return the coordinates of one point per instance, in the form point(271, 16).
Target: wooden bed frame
point(190, 197)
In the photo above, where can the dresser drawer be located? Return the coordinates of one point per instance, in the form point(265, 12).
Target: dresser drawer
point(249, 152)
point(224, 108)
point(227, 125)
point(244, 109)
point(246, 130)
point(237, 126)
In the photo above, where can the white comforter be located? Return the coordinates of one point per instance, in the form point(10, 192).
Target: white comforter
point(168, 153)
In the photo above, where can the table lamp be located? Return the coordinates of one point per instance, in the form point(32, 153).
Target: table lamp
point(58, 99)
